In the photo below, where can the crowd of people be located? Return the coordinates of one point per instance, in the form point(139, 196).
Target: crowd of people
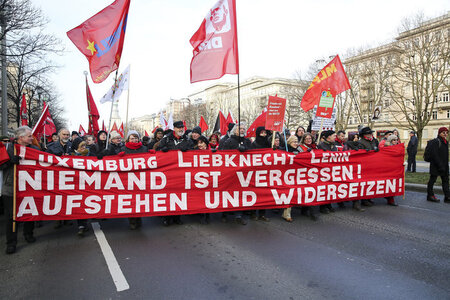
point(66, 143)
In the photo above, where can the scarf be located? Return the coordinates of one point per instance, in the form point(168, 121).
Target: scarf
point(133, 146)
point(311, 146)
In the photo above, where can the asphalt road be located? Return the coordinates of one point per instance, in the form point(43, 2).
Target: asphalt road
point(384, 253)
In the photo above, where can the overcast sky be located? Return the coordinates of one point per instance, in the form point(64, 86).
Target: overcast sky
point(276, 39)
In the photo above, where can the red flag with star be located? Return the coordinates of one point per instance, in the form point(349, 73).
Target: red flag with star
point(101, 38)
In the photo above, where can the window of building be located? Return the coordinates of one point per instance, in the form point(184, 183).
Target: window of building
point(387, 103)
point(414, 117)
point(434, 115)
point(445, 97)
point(448, 114)
point(436, 99)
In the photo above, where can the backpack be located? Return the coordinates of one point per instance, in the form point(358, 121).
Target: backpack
point(427, 155)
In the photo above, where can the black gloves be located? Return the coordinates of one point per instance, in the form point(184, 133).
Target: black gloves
point(242, 148)
point(164, 149)
point(213, 150)
point(16, 159)
point(376, 149)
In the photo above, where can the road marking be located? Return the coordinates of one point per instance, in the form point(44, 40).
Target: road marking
point(116, 273)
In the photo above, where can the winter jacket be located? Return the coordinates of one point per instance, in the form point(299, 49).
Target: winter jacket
point(58, 149)
point(368, 145)
point(439, 157)
point(8, 171)
point(235, 141)
point(170, 142)
point(327, 146)
point(412, 145)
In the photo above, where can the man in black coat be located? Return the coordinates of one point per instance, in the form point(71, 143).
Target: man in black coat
point(175, 140)
point(63, 145)
point(24, 138)
point(412, 151)
point(439, 165)
point(237, 141)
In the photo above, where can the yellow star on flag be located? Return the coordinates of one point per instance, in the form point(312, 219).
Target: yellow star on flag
point(91, 47)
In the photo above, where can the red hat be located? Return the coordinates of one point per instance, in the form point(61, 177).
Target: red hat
point(442, 129)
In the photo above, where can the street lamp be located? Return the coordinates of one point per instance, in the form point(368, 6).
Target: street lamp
point(39, 91)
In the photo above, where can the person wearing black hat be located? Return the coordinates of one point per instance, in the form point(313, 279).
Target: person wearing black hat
point(412, 152)
point(195, 134)
point(438, 148)
point(226, 136)
point(328, 144)
point(75, 134)
point(158, 135)
point(367, 142)
point(98, 148)
point(261, 142)
point(175, 140)
point(385, 137)
point(237, 141)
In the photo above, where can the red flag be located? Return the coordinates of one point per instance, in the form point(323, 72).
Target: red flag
point(215, 44)
point(44, 125)
point(121, 131)
point(185, 126)
point(82, 131)
point(23, 111)
point(260, 121)
point(114, 128)
point(101, 38)
point(203, 125)
point(223, 124)
point(103, 125)
point(332, 77)
point(94, 116)
point(146, 133)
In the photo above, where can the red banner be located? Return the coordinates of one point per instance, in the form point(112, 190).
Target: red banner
point(50, 187)
point(23, 111)
point(276, 107)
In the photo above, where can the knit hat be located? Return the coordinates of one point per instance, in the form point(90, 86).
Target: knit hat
point(328, 133)
point(114, 134)
point(76, 142)
point(442, 129)
point(133, 132)
point(197, 130)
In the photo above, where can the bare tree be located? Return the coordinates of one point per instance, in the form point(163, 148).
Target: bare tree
point(28, 63)
point(420, 72)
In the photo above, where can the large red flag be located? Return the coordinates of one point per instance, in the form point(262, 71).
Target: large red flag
point(103, 125)
point(332, 77)
point(203, 125)
point(146, 133)
point(215, 44)
point(101, 38)
point(260, 121)
point(81, 130)
point(44, 125)
point(23, 111)
point(94, 116)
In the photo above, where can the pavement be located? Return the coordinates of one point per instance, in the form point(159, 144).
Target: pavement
point(383, 253)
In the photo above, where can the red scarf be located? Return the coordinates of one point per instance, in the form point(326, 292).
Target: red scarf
point(311, 146)
point(369, 139)
point(133, 146)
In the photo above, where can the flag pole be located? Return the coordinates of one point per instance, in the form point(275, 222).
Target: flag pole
point(128, 101)
point(356, 105)
point(112, 104)
point(14, 189)
point(91, 124)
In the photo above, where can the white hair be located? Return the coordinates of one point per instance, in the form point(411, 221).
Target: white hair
point(22, 131)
